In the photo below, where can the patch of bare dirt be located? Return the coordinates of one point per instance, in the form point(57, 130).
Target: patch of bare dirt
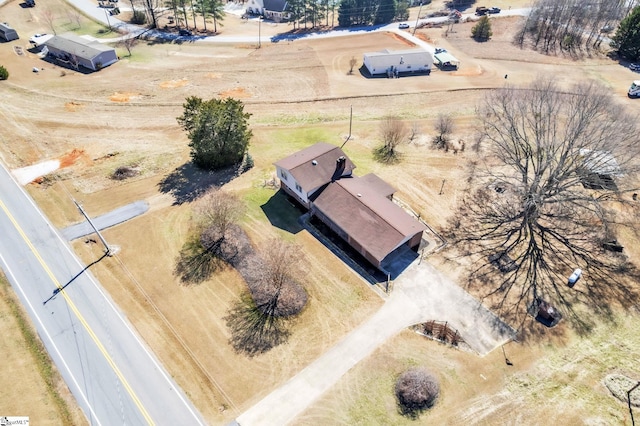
point(122, 96)
point(73, 106)
point(401, 39)
point(173, 84)
point(237, 93)
point(72, 157)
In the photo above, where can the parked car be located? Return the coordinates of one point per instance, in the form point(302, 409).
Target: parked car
point(494, 10)
point(634, 67)
point(481, 10)
point(573, 278)
point(403, 26)
point(185, 33)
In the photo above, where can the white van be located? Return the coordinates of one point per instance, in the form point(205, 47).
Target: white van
point(634, 90)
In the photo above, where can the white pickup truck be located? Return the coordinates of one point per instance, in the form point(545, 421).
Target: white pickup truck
point(38, 40)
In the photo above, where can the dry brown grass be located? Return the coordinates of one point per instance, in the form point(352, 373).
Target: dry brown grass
point(33, 386)
point(305, 97)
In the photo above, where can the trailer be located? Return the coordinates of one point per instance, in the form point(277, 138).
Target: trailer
point(7, 33)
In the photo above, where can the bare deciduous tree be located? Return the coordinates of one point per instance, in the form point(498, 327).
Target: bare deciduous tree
point(393, 132)
point(558, 166)
point(50, 19)
point(218, 209)
point(444, 128)
point(216, 238)
point(128, 43)
point(75, 16)
point(278, 294)
point(414, 131)
point(258, 323)
point(352, 63)
point(570, 25)
point(416, 390)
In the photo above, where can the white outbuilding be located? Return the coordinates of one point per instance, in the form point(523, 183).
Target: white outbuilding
point(80, 52)
point(394, 62)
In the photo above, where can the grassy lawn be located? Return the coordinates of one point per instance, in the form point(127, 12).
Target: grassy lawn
point(562, 377)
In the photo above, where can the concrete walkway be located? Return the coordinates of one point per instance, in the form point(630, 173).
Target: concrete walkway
point(420, 294)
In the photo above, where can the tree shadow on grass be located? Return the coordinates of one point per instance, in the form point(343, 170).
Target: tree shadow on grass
point(188, 182)
point(196, 264)
point(252, 331)
point(283, 213)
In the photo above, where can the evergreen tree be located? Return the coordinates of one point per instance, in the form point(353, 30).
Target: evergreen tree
point(345, 13)
point(402, 10)
point(4, 74)
point(482, 30)
point(386, 12)
point(218, 131)
point(627, 38)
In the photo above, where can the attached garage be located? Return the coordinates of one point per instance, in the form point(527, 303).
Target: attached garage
point(79, 52)
point(394, 62)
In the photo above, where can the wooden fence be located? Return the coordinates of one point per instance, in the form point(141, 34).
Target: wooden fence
point(439, 330)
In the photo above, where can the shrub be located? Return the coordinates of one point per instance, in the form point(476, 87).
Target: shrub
point(416, 390)
point(482, 30)
point(4, 74)
point(123, 172)
point(139, 18)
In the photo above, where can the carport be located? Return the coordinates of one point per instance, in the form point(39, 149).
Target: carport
point(446, 61)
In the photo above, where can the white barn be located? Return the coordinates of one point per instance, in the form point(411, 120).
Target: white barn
point(78, 51)
point(394, 62)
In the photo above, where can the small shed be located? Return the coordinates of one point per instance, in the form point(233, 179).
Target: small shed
point(80, 52)
point(7, 33)
point(394, 62)
point(446, 61)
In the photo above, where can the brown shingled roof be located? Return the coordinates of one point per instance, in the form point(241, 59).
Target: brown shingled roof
point(316, 165)
point(371, 219)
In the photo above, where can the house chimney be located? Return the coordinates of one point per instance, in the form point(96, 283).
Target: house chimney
point(340, 165)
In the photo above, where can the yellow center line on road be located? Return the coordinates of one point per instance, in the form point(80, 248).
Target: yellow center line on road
point(84, 323)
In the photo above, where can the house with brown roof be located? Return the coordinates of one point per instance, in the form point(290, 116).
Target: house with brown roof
point(305, 172)
point(358, 209)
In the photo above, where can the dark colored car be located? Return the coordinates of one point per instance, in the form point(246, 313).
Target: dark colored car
point(185, 33)
point(481, 10)
point(494, 10)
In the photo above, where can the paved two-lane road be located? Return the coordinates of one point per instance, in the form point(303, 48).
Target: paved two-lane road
point(110, 371)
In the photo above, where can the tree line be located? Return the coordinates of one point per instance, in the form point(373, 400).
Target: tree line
point(571, 25)
point(302, 13)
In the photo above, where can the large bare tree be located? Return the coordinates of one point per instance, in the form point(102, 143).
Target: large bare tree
point(258, 323)
point(215, 238)
point(558, 167)
point(393, 132)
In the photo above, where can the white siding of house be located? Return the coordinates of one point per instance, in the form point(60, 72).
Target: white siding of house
point(293, 186)
point(415, 60)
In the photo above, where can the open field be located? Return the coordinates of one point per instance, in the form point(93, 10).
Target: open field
point(299, 92)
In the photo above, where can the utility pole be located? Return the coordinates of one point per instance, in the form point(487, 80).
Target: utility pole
point(418, 18)
point(259, 32)
point(106, 246)
point(350, 123)
point(107, 15)
point(633, 422)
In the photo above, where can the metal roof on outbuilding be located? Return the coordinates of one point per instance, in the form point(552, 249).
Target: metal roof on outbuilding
point(78, 46)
